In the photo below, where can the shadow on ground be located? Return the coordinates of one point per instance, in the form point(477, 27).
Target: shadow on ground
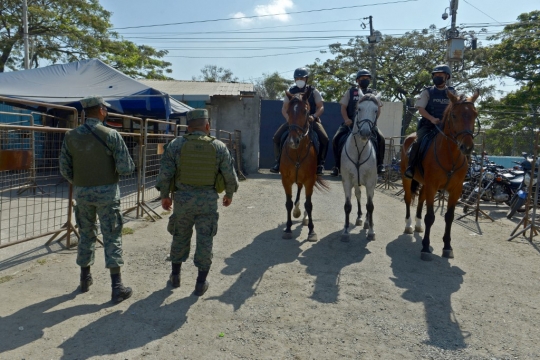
point(431, 283)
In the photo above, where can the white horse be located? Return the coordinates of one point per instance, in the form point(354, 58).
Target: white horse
point(359, 162)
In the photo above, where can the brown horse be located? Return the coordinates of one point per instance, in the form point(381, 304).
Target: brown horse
point(298, 163)
point(445, 165)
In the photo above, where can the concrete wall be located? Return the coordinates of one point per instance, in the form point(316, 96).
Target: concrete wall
point(390, 119)
point(232, 113)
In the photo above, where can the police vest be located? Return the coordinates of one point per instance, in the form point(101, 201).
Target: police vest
point(312, 105)
point(438, 101)
point(353, 99)
point(93, 163)
point(197, 161)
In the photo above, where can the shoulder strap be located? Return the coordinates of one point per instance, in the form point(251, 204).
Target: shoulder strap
point(97, 137)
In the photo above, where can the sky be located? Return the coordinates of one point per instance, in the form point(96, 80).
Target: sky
point(255, 37)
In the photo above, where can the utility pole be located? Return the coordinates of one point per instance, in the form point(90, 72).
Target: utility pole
point(456, 44)
point(373, 38)
point(534, 112)
point(25, 34)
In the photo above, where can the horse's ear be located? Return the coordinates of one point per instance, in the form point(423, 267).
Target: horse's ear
point(289, 95)
point(474, 96)
point(453, 98)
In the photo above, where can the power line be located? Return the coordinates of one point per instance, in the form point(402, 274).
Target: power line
point(240, 57)
point(262, 16)
point(481, 11)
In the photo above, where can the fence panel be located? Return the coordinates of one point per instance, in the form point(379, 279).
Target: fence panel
point(34, 198)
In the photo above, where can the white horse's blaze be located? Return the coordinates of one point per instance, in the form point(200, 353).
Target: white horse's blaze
point(360, 152)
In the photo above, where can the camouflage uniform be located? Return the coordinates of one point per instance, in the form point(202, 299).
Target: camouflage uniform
point(194, 205)
point(103, 201)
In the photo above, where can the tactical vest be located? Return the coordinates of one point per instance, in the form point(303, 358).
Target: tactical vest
point(93, 164)
point(312, 105)
point(353, 99)
point(438, 101)
point(197, 161)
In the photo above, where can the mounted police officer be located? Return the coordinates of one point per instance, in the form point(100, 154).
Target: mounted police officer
point(316, 109)
point(92, 159)
point(431, 104)
point(193, 166)
point(348, 110)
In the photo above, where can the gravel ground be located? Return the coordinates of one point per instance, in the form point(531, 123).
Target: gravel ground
point(284, 299)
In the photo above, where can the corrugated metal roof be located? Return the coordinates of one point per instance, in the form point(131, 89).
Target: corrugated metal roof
point(183, 87)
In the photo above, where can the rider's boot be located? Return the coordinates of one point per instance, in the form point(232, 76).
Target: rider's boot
point(335, 171)
point(277, 156)
point(322, 158)
point(409, 172)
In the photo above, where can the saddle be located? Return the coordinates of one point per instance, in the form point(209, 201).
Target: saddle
point(312, 136)
point(425, 143)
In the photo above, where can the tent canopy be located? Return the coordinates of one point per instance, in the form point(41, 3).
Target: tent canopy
point(66, 84)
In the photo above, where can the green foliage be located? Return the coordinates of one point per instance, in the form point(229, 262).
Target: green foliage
point(213, 73)
point(70, 30)
point(272, 86)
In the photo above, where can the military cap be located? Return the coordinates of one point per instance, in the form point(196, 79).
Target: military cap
point(91, 101)
point(197, 114)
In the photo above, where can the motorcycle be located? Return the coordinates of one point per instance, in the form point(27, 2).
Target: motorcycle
point(497, 184)
point(518, 201)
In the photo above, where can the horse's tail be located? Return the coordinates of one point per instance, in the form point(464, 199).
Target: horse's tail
point(322, 184)
point(415, 185)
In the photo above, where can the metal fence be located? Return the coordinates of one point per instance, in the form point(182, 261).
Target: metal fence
point(36, 201)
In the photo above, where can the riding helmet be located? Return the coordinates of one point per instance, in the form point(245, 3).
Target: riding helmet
point(301, 73)
point(363, 72)
point(442, 68)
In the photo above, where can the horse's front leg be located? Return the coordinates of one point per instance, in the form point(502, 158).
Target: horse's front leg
point(312, 236)
point(421, 199)
point(448, 219)
point(358, 194)
point(297, 212)
point(407, 196)
point(287, 234)
point(429, 219)
point(369, 216)
point(348, 206)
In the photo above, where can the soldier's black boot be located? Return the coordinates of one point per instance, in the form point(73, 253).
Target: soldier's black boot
point(202, 285)
point(409, 172)
point(86, 279)
point(277, 156)
point(175, 275)
point(119, 291)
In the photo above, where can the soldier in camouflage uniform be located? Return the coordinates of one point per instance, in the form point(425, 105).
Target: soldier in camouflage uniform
point(190, 165)
point(92, 158)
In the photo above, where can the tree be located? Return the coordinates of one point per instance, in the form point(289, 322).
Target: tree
point(213, 73)
point(403, 66)
point(272, 86)
point(71, 30)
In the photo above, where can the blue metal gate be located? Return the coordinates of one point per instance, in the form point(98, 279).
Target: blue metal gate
point(271, 119)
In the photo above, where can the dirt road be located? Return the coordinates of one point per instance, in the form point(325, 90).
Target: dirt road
point(285, 299)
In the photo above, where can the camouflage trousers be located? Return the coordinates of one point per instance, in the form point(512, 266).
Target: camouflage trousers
point(111, 224)
point(194, 209)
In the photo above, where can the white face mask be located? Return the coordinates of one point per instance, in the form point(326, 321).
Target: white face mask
point(300, 83)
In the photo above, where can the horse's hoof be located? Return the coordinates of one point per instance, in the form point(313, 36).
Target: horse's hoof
point(296, 213)
point(366, 225)
point(418, 229)
point(408, 230)
point(371, 236)
point(287, 235)
point(426, 256)
point(312, 237)
point(345, 237)
point(449, 254)
point(305, 222)
point(358, 222)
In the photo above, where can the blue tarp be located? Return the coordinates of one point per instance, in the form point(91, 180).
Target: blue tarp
point(66, 84)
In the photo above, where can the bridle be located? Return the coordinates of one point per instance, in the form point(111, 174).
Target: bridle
point(304, 133)
point(371, 123)
point(304, 130)
point(453, 135)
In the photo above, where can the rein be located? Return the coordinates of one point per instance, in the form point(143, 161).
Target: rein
point(359, 152)
point(304, 133)
point(453, 138)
